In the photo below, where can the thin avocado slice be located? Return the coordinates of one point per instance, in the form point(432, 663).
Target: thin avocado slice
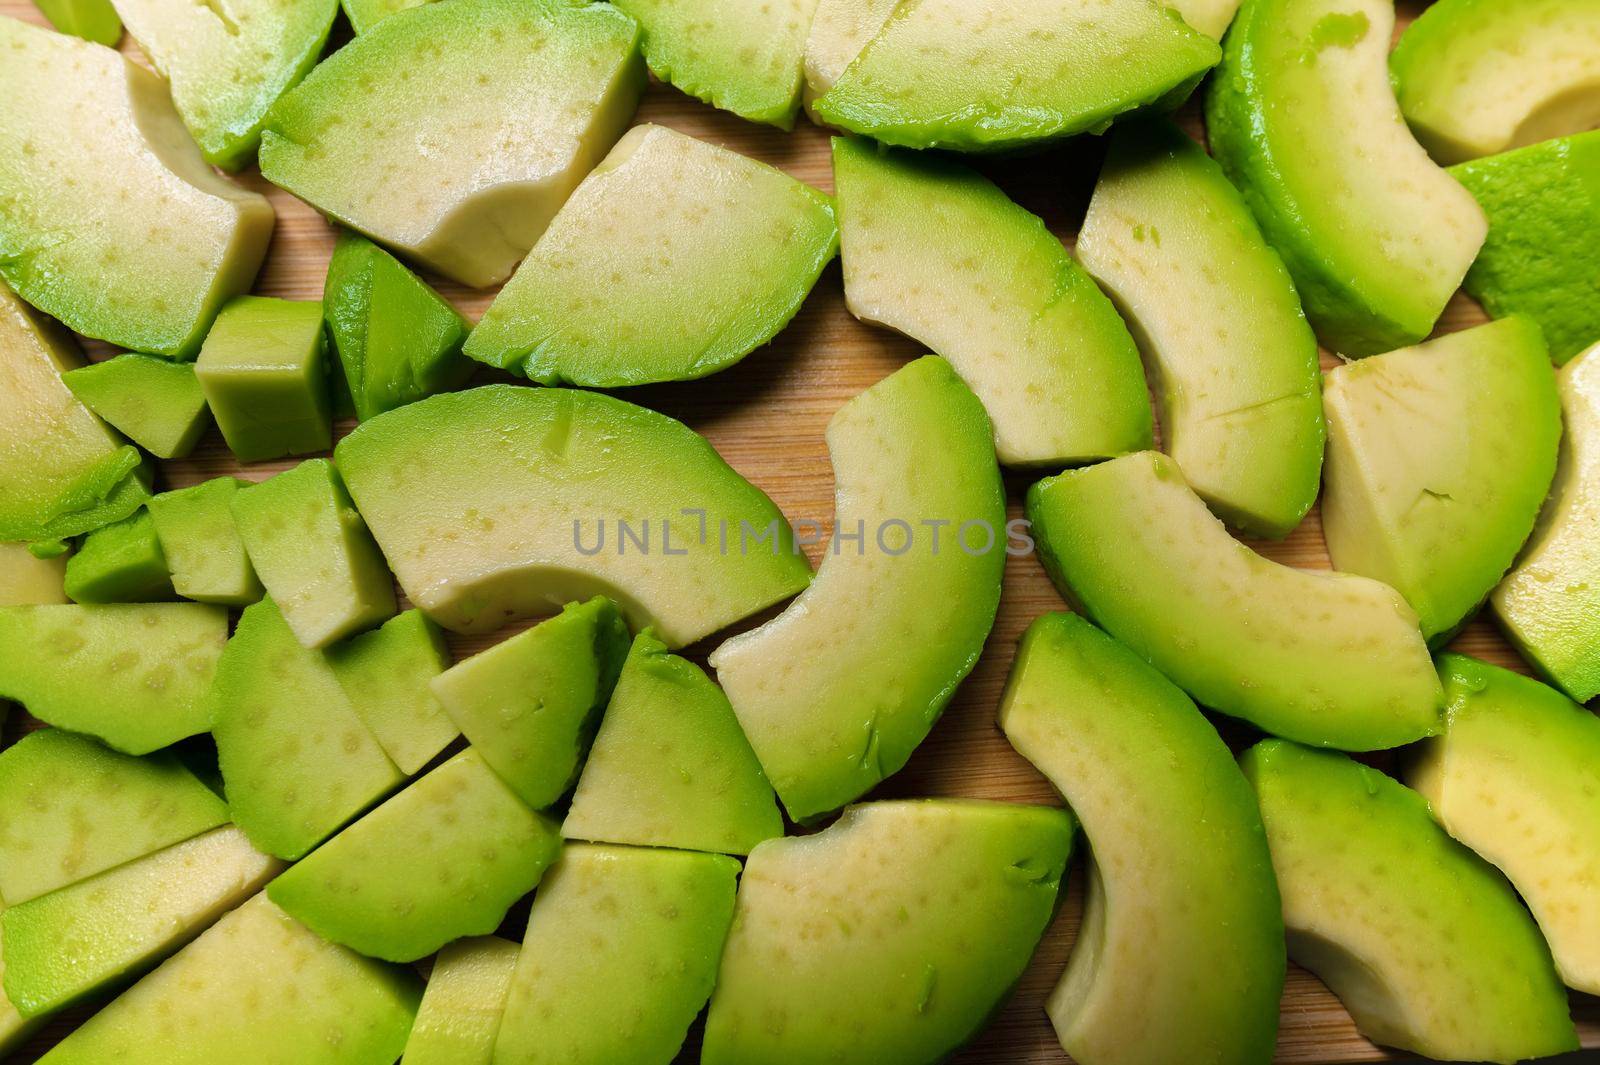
point(1330, 659)
point(1210, 17)
point(1424, 942)
point(1439, 457)
point(558, 488)
point(93, 20)
point(263, 371)
point(27, 580)
point(670, 766)
point(146, 242)
point(15, 1029)
point(937, 252)
point(364, 14)
point(1302, 117)
point(443, 859)
point(1232, 362)
point(156, 402)
point(839, 30)
point(728, 249)
point(830, 959)
point(461, 1009)
point(1183, 920)
point(201, 542)
point(386, 675)
point(838, 690)
point(527, 98)
point(120, 563)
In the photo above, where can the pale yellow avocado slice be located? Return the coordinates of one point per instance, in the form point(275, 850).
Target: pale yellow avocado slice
point(1210, 17)
point(26, 580)
point(839, 30)
point(462, 1007)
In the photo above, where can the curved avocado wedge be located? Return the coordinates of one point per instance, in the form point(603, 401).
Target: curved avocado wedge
point(1302, 117)
point(502, 502)
point(1549, 605)
point(1439, 457)
point(1424, 942)
point(1477, 77)
point(1232, 362)
point(838, 690)
point(1330, 659)
point(1183, 919)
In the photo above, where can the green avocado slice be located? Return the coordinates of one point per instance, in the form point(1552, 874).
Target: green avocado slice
point(158, 403)
point(120, 563)
point(461, 1009)
point(201, 543)
point(386, 675)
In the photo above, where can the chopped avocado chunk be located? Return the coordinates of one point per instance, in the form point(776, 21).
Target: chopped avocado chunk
point(296, 760)
point(838, 690)
point(26, 580)
point(134, 676)
point(385, 674)
point(1331, 659)
point(313, 553)
point(934, 250)
point(530, 704)
point(839, 30)
point(71, 808)
point(263, 370)
point(93, 20)
point(461, 1008)
point(670, 766)
point(889, 937)
point(1424, 942)
point(528, 96)
point(256, 987)
point(156, 402)
point(1183, 919)
point(120, 563)
point(727, 249)
point(619, 957)
point(398, 340)
point(1302, 117)
point(504, 502)
point(1439, 457)
point(1232, 362)
point(443, 859)
point(202, 544)
point(975, 76)
point(145, 242)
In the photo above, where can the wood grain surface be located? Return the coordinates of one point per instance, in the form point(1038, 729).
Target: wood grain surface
point(766, 416)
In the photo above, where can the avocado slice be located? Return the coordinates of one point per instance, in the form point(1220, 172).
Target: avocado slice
point(27, 580)
point(15, 1029)
point(462, 1006)
point(145, 243)
point(256, 987)
point(201, 542)
point(71, 808)
point(263, 371)
point(1549, 605)
point(1330, 659)
point(1232, 362)
point(937, 252)
point(975, 76)
point(530, 704)
point(156, 402)
point(620, 955)
point(1439, 457)
point(729, 249)
point(296, 760)
point(1516, 776)
point(120, 563)
point(838, 690)
point(385, 674)
point(518, 500)
point(526, 99)
point(398, 340)
point(839, 30)
point(1302, 117)
point(132, 675)
point(1183, 919)
point(443, 859)
point(889, 937)
point(1542, 202)
point(1210, 17)
point(1476, 77)
point(93, 20)
point(1424, 942)
point(670, 766)
point(313, 553)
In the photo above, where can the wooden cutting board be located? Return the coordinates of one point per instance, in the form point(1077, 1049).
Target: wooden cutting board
point(766, 416)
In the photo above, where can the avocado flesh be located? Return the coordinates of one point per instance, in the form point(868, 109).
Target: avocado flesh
point(839, 30)
point(1188, 925)
point(156, 402)
point(1210, 17)
point(256, 987)
point(443, 859)
point(15, 1029)
point(93, 20)
point(1330, 659)
point(145, 243)
point(461, 1009)
point(1425, 943)
point(385, 674)
point(120, 563)
point(1232, 362)
point(26, 580)
point(838, 690)
point(1302, 118)
point(263, 372)
point(201, 542)
point(1549, 605)
point(540, 475)
point(522, 124)
point(670, 766)
point(720, 252)
point(937, 252)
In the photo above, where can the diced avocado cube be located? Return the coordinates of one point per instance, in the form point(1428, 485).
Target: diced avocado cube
point(462, 1006)
point(156, 403)
point(264, 374)
point(386, 673)
point(197, 531)
point(93, 20)
point(120, 563)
